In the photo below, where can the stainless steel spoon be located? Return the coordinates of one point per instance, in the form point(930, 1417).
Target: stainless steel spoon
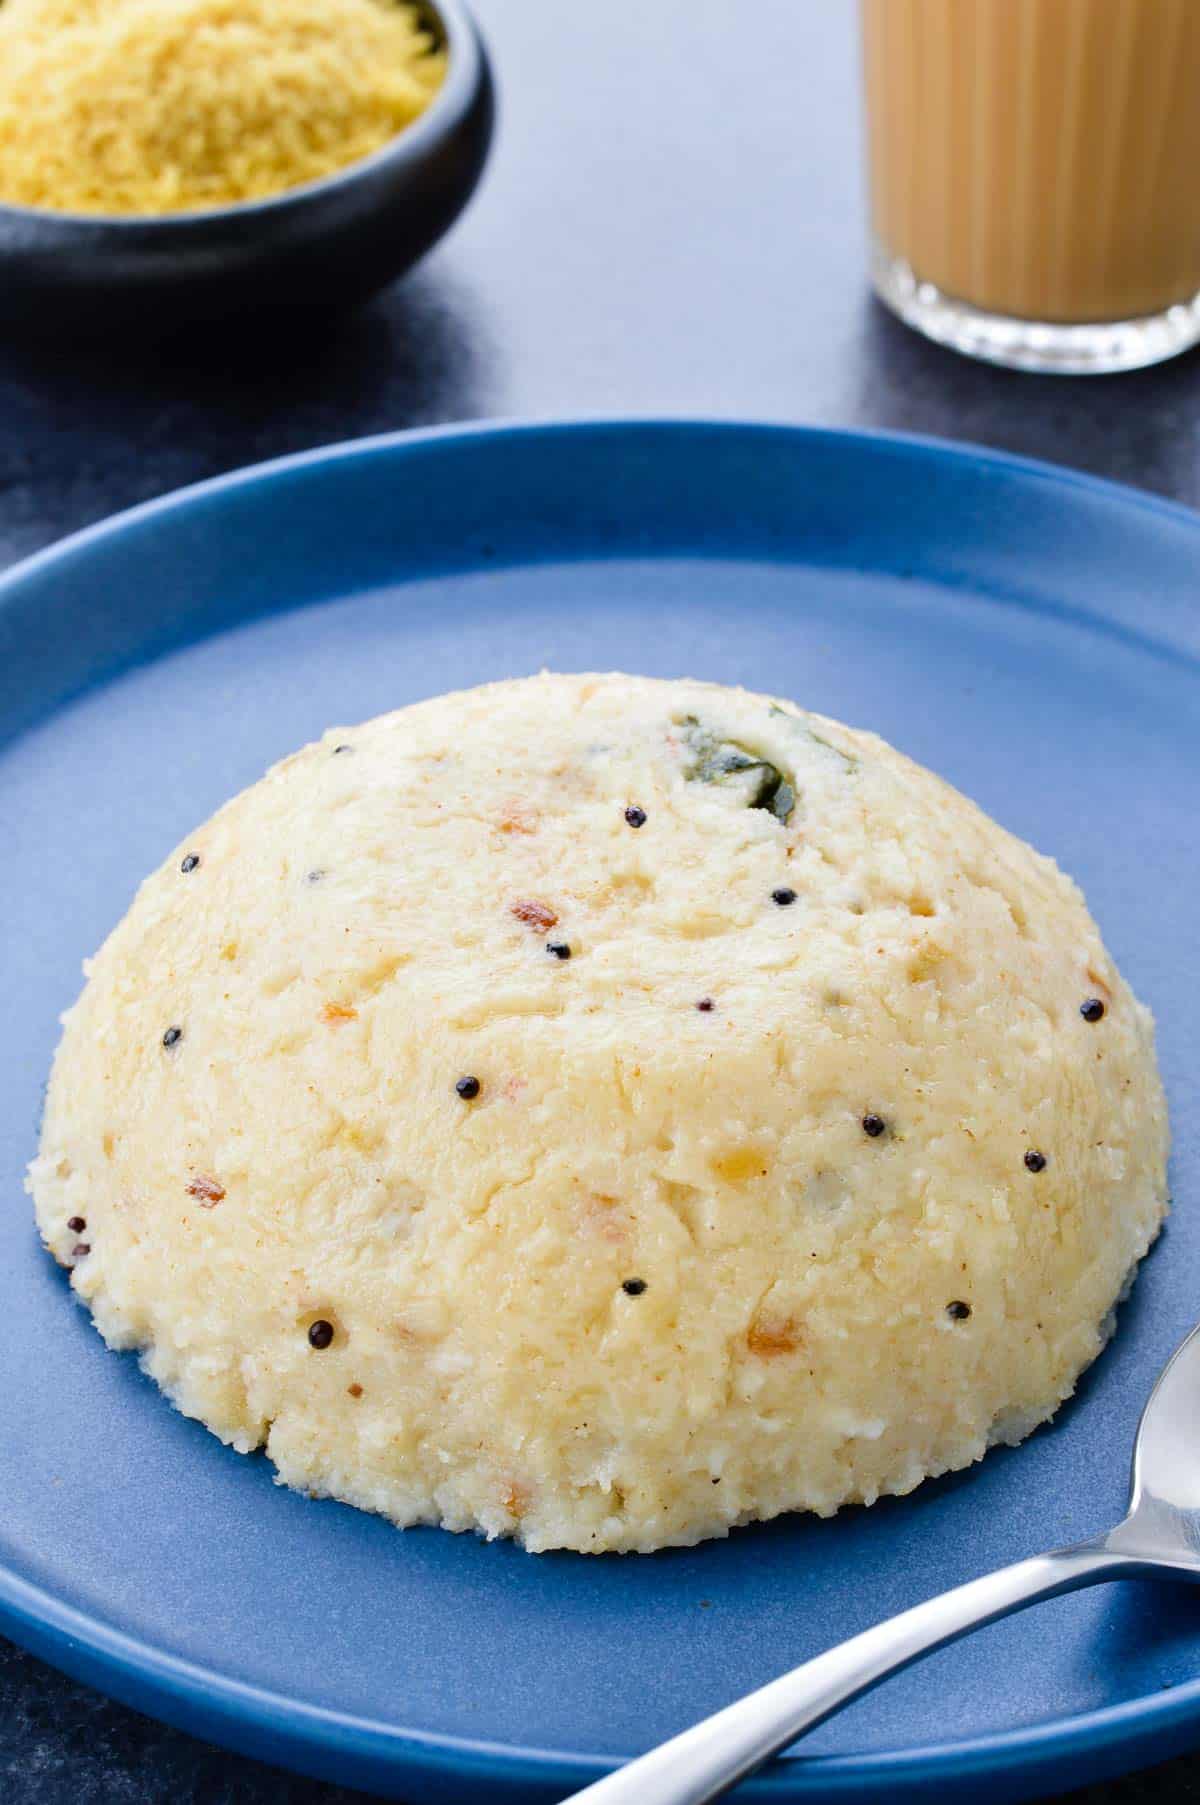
point(1159, 1538)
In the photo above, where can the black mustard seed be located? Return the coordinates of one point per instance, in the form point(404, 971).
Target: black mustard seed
point(1092, 1009)
point(467, 1087)
point(76, 1224)
point(191, 862)
point(558, 948)
point(320, 1333)
point(706, 1005)
point(1035, 1161)
point(958, 1311)
point(635, 816)
point(873, 1125)
point(633, 1287)
point(784, 897)
point(172, 1037)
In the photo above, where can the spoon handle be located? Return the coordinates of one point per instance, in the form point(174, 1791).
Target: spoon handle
point(714, 1755)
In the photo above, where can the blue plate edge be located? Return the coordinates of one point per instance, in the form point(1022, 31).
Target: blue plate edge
point(917, 444)
point(317, 1741)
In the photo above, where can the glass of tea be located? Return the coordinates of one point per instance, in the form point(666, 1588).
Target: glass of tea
point(1035, 176)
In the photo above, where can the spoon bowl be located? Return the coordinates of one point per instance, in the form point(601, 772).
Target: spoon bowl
point(328, 243)
point(1164, 1508)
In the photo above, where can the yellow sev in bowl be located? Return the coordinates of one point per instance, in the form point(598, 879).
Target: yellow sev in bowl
point(163, 106)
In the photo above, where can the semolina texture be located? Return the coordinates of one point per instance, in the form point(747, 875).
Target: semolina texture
point(162, 106)
point(602, 1111)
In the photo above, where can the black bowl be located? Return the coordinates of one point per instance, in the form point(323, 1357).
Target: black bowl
point(326, 244)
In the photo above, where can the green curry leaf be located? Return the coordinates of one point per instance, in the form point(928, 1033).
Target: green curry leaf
point(714, 760)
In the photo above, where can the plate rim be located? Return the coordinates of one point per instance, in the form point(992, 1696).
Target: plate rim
point(929, 446)
point(272, 1725)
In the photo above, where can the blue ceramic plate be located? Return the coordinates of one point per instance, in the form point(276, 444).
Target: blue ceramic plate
point(1033, 635)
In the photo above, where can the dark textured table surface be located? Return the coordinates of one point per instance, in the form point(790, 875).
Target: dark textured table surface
point(671, 224)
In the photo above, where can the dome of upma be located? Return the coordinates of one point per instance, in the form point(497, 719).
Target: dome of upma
point(603, 1111)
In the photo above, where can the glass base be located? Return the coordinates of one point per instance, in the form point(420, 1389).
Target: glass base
point(998, 338)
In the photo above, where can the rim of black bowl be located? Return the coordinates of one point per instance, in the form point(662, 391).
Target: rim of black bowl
point(460, 35)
